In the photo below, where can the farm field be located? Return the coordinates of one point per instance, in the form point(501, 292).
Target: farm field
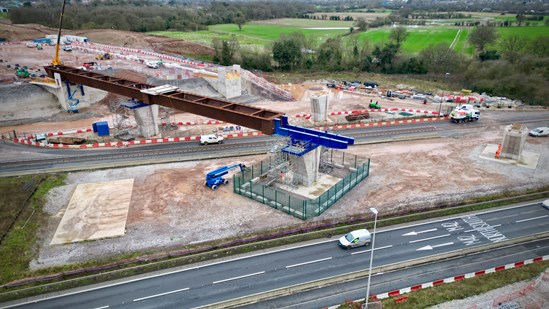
point(259, 34)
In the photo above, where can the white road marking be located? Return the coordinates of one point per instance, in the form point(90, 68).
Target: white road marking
point(435, 246)
point(380, 248)
point(158, 295)
point(413, 233)
point(310, 262)
point(530, 219)
point(239, 277)
point(102, 307)
point(424, 239)
point(473, 230)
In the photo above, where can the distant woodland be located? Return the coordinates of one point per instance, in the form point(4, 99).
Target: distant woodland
point(144, 16)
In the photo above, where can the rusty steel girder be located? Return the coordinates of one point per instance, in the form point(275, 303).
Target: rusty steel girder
point(243, 115)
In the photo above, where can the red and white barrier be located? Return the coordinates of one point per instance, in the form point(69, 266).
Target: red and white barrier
point(418, 111)
point(460, 277)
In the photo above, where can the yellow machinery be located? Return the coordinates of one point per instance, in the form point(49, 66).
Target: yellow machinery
point(56, 61)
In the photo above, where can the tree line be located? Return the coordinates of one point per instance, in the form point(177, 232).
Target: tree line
point(144, 16)
point(512, 66)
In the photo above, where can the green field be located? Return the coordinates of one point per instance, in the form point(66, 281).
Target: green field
point(259, 34)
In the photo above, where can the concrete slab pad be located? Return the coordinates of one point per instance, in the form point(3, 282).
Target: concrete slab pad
point(96, 210)
point(528, 160)
point(324, 183)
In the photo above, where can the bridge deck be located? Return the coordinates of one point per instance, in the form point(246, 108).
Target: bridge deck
point(243, 115)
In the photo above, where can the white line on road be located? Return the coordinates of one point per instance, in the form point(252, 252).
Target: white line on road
point(239, 277)
point(380, 248)
point(414, 233)
point(424, 239)
point(310, 262)
point(435, 246)
point(530, 219)
point(104, 307)
point(158, 295)
point(474, 230)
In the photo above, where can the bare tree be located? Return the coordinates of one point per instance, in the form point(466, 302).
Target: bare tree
point(361, 24)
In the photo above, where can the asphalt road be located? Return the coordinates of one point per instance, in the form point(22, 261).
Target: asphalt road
point(36, 160)
point(214, 282)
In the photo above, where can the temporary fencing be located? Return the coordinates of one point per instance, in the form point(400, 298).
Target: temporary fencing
point(246, 184)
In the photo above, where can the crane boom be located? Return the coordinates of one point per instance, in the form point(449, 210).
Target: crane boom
point(56, 61)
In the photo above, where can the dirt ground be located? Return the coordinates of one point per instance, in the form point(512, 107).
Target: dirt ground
point(170, 207)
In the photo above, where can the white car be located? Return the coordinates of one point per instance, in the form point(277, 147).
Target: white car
point(545, 204)
point(543, 131)
point(152, 65)
point(211, 139)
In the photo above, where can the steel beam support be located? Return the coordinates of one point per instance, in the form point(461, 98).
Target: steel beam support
point(247, 116)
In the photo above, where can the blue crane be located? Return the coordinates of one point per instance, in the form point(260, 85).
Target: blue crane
point(215, 178)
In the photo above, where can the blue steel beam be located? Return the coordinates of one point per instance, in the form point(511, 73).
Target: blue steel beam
point(322, 138)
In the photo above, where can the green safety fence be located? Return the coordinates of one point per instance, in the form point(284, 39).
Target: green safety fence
point(350, 168)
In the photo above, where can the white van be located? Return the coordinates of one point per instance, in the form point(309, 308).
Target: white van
point(152, 65)
point(211, 139)
point(543, 131)
point(355, 239)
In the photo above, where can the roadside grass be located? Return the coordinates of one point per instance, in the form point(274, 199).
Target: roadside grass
point(17, 249)
point(19, 190)
point(466, 288)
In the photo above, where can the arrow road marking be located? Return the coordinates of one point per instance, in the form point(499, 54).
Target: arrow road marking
point(424, 239)
point(435, 246)
point(524, 220)
point(413, 233)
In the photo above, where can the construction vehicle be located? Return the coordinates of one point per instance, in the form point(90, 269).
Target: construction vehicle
point(357, 115)
point(215, 178)
point(105, 56)
point(22, 73)
point(463, 114)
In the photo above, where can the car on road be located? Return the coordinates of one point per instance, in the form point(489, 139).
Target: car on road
point(542, 131)
point(67, 48)
point(355, 238)
point(152, 65)
point(211, 139)
point(545, 204)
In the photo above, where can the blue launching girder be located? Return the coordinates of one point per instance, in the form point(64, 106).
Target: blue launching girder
point(309, 139)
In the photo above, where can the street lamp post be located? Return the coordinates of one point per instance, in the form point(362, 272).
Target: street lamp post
point(371, 255)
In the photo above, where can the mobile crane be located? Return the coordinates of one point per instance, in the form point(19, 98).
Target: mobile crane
point(56, 61)
point(215, 178)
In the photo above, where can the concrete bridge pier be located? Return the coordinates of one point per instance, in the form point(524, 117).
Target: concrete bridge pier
point(319, 107)
point(147, 120)
point(306, 167)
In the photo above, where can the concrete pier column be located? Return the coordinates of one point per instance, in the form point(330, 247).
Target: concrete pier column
point(319, 107)
point(512, 144)
point(147, 120)
point(61, 92)
point(306, 167)
point(228, 81)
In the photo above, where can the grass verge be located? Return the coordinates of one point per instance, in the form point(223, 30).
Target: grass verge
point(466, 288)
point(17, 248)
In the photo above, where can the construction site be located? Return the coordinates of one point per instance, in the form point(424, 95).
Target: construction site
point(310, 173)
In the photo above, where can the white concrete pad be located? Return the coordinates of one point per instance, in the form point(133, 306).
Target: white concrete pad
point(528, 160)
point(324, 183)
point(96, 210)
